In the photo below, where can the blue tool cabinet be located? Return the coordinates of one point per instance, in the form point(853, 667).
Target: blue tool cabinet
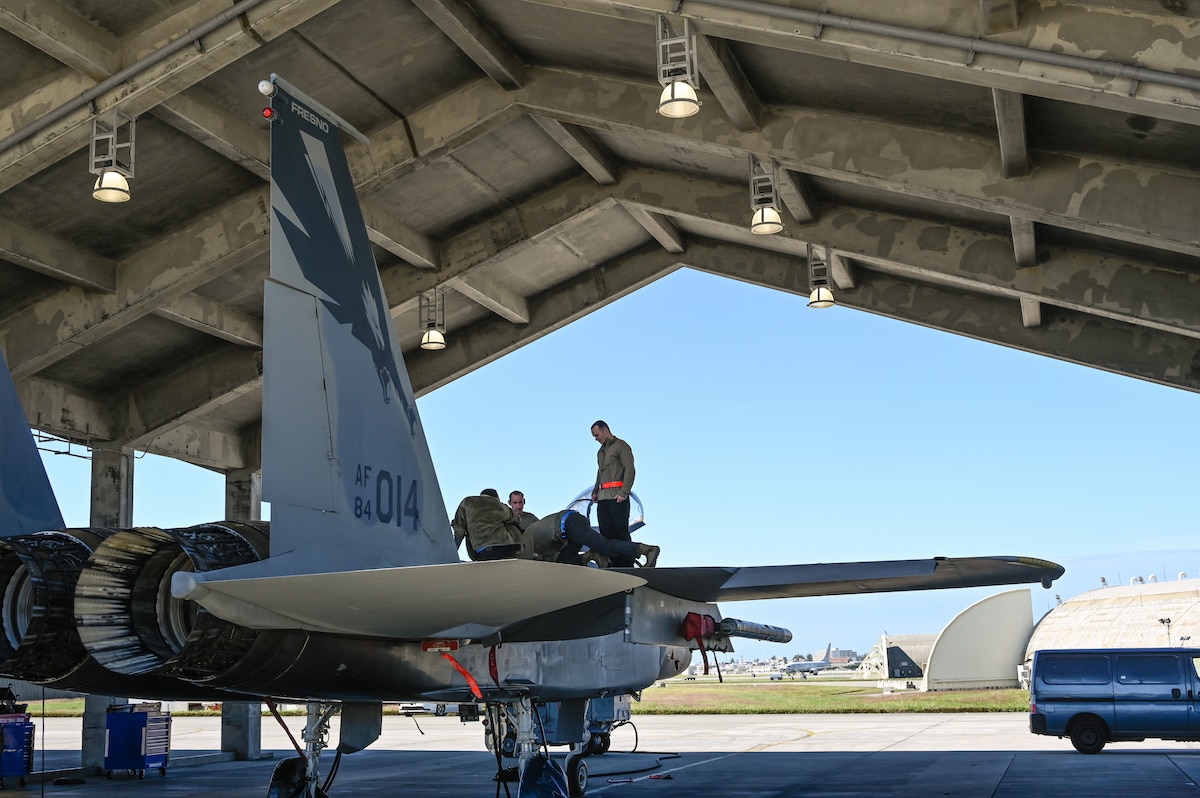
point(16, 760)
point(137, 738)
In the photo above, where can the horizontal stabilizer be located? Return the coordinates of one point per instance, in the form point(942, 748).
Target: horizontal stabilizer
point(461, 600)
point(833, 579)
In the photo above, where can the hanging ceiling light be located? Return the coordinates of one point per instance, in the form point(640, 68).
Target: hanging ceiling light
point(111, 156)
point(431, 314)
point(676, 71)
point(821, 295)
point(764, 200)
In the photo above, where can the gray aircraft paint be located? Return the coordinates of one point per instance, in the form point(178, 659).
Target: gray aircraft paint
point(27, 502)
point(346, 466)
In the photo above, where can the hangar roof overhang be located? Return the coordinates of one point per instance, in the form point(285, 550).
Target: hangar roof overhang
point(1024, 173)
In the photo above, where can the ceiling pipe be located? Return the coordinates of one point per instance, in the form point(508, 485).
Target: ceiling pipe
point(117, 78)
point(1113, 69)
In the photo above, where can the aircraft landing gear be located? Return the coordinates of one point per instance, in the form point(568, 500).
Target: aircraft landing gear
point(299, 777)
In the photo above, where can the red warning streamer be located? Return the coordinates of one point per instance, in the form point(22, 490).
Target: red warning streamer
point(474, 685)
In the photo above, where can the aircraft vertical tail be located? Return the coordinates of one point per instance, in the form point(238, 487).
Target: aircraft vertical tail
point(346, 466)
point(27, 502)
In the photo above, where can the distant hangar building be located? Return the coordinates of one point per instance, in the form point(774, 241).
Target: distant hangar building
point(980, 648)
point(1145, 614)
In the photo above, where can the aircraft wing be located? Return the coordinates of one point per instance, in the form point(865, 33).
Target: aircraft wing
point(470, 599)
point(832, 579)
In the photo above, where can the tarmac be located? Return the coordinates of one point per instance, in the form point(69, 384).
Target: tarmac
point(731, 756)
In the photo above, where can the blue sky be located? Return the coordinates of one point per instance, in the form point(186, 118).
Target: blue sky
point(766, 432)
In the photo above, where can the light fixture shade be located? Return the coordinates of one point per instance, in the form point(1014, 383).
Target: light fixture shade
point(821, 297)
point(433, 340)
point(766, 221)
point(111, 186)
point(678, 100)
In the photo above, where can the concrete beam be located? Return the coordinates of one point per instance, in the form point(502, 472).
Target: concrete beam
point(143, 91)
point(1102, 343)
point(1108, 33)
point(660, 227)
point(1031, 312)
point(175, 399)
point(576, 142)
point(206, 445)
point(1024, 240)
point(797, 196)
point(56, 327)
point(63, 35)
point(405, 242)
point(56, 258)
point(492, 295)
point(56, 409)
point(1139, 292)
point(841, 270)
point(1147, 205)
point(213, 318)
point(1010, 124)
point(489, 52)
point(508, 235)
point(728, 83)
point(550, 310)
point(195, 114)
point(998, 16)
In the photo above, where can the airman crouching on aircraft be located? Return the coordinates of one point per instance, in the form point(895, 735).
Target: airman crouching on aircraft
point(559, 537)
point(491, 528)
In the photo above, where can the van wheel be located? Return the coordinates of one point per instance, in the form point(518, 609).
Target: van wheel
point(1088, 735)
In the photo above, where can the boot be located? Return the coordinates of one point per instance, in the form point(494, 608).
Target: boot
point(590, 557)
point(650, 553)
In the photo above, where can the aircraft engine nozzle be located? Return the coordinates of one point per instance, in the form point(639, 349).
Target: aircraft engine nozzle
point(128, 618)
point(37, 582)
point(732, 627)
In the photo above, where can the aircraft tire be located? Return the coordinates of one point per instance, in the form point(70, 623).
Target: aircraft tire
point(577, 776)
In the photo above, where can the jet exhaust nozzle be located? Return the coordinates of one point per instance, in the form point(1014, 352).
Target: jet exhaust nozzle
point(732, 627)
point(130, 622)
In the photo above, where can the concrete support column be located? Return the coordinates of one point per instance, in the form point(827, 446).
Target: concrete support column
point(241, 721)
point(243, 495)
point(241, 729)
point(111, 506)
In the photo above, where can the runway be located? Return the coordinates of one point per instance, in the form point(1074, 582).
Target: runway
point(814, 756)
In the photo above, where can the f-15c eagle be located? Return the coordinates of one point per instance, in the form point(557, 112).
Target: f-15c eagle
point(354, 594)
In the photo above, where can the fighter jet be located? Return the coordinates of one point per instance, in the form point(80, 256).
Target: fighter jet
point(354, 594)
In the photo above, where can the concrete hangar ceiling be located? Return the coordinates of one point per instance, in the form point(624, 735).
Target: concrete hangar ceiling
point(1024, 173)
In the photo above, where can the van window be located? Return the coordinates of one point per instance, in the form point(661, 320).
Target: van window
point(1076, 670)
point(1196, 665)
point(1162, 669)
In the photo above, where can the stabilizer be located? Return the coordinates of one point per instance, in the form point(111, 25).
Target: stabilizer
point(27, 502)
point(346, 466)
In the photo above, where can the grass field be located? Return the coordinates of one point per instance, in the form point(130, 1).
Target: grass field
point(749, 697)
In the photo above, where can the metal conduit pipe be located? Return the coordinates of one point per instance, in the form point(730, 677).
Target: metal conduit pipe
point(117, 78)
point(1094, 65)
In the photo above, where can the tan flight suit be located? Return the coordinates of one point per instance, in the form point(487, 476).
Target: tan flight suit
point(543, 540)
point(527, 519)
point(485, 522)
point(615, 464)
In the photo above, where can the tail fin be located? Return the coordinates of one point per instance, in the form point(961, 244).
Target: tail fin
point(828, 651)
point(346, 466)
point(27, 502)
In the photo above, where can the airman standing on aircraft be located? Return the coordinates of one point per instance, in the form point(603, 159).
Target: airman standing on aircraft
point(614, 481)
point(559, 536)
point(516, 500)
point(491, 528)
